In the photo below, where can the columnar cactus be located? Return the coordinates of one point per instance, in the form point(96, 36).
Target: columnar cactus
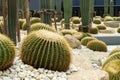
point(67, 12)
point(7, 52)
point(85, 14)
point(12, 19)
point(39, 26)
point(97, 45)
point(45, 49)
point(111, 7)
point(58, 9)
point(106, 2)
point(85, 40)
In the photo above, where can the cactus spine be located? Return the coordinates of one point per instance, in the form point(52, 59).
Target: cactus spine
point(7, 52)
point(85, 14)
point(45, 49)
point(111, 7)
point(12, 19)
point(67, 12)
point(106, 2)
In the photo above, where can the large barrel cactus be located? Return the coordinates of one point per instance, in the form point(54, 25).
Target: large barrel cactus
point(46, 49)
point(97, 45)
point(39, 26)
point(7, 52)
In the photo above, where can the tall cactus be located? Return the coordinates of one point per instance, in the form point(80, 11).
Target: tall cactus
point(67, 12)
point(12, 19)
point(111, 7)
point(106, 2)
point(0, 7)
point(58, 9)
point(85, 14)
point(91, 9)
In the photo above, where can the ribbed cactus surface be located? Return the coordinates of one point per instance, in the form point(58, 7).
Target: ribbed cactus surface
point(97, 45)
point(39, 26)
point(7, 52)
point(46, 49)
point(106, 2)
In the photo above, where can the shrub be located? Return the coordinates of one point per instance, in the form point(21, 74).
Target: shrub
point(45, 49)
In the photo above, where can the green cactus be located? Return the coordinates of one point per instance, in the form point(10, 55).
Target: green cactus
point(111, 7)
point(115, 50)
point(117, 19)
point(35, 20)
point(21, 21)
point(97, 21)
point(108, 18)
point(24, 26)
point(7, 52)
point(118, 30)
point(58, 9)
point(113, 68)
point(85, 14)
point(68, 31)
point(67, 12)
point(97, 45)
point(85, 40)
point(93, 30)
point(101, 27)
point(45, 49)
point(39, 26)
point(1, 27)
point(75, 20)
point(106, 2)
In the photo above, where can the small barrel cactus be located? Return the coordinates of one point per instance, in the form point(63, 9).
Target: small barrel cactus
point(118, 30)
point(85, 40)
point(68, 31)
point(101, 27)
point(115, 50)
point(7, 52)
point(108, 18)
point(1, 27)
point(35, 20)
point(93, 30)
point(21, 21)
point(46, 49)
point(97, 45)
point(113, 68)
point(97, 21)
point(117, 18)
point(24, 26)
point(39, 26)
point(75, 20)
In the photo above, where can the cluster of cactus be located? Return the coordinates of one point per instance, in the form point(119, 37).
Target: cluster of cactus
point(112, 65)
point(46, 49)
point(97, 45)
point(108, 18)
point(7, 52)
point(1, 27)
point(68, 31)
point(118, 29)
point(101, 27)
point(75, 20)
point(85, 40)
point(39, 26)
point(93, 30)
point(97, 21)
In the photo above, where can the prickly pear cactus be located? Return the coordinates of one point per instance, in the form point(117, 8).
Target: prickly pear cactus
point(39, 26)
point(46, 49)
point(7, 52)
point(97, 45)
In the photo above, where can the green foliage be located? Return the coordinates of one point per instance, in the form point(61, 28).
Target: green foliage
point(97, 21)
point(39, 26)
point(85, 40)
point(7, 52)
point(101, 27)
point(93, 30)
point(97, 45)
point(118, 30)
point(45, 49)
point(108, 18)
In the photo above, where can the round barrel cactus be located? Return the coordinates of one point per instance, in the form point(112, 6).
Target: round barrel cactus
point(85, 40)
point(7, 52)
point(68, 31)
point(97, 21)
point(46, 49)
point(97, 45)
point(35, 20)
point(39, 26)
point(118, 29)
point(93, 30)
point(114, 51)
point(108, 18)
point(113, 68)
point(1, 27)
point(101, 27)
